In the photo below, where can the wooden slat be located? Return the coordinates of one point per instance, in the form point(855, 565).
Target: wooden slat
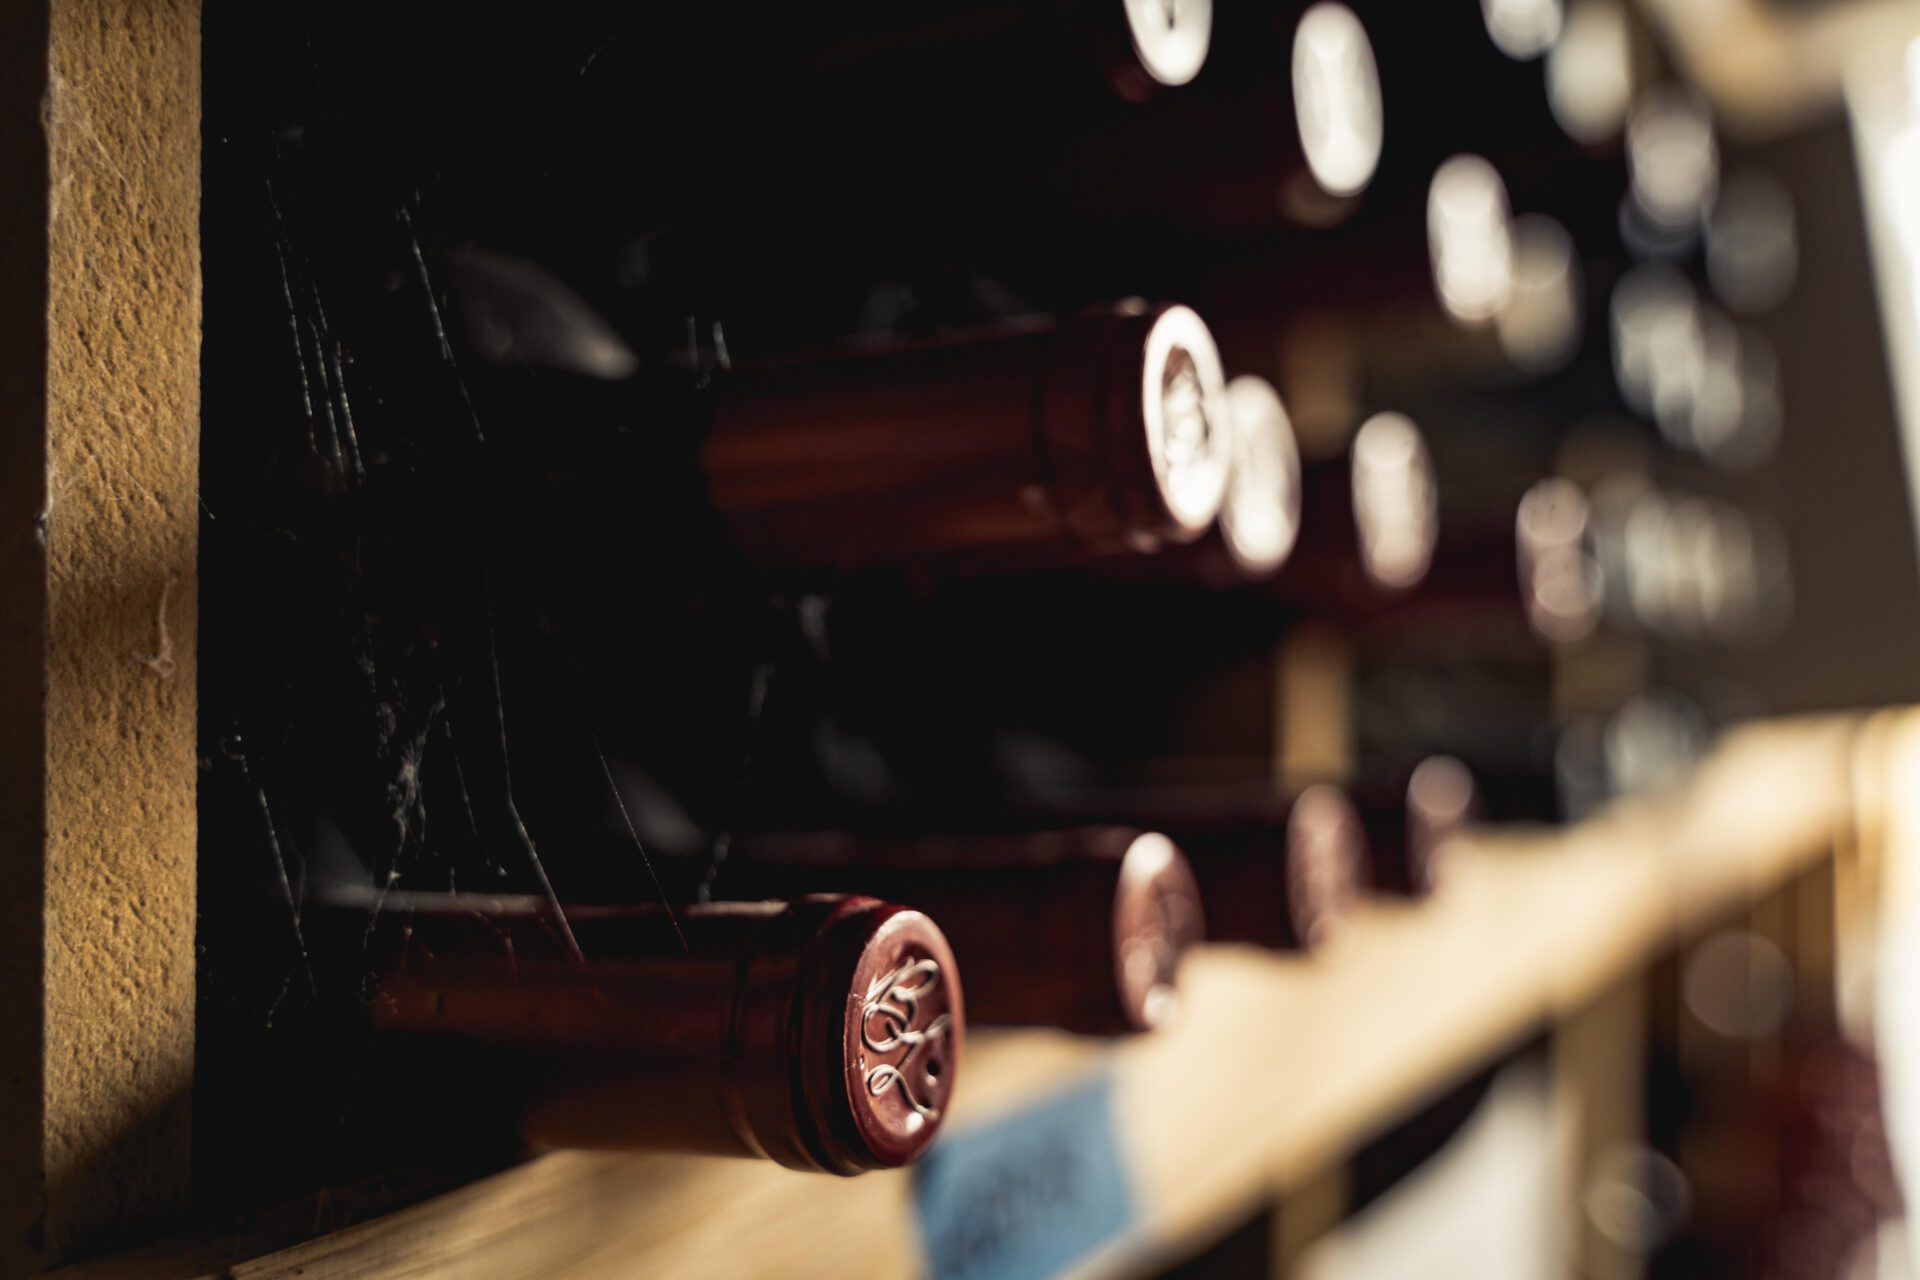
point(99, 519)
point(1278, 1068)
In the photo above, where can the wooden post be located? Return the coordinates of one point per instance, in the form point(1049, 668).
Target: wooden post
point(1598, 1057)
point(99, 508)
point(1305, 1215)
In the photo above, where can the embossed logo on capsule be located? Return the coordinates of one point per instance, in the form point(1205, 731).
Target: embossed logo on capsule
point(889, 1022)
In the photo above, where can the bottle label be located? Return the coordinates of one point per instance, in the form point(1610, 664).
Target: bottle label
point(1030, 1193)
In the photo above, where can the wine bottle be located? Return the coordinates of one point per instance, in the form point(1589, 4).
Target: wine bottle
point(1282, 124)
point(1535, 572)
point(1081, 928)
point(823, 1033)
point(1259, 518)
point(1105, 432)
point(1277, 867)
point(1410, 815)
point(1369, 522)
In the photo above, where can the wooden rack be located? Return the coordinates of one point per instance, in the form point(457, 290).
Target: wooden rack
point(1279, 1068)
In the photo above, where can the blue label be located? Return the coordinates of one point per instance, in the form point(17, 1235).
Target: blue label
point(1027, 1195)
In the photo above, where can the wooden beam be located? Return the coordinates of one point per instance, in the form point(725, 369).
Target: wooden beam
point(1279, 1067)
point(99, 510)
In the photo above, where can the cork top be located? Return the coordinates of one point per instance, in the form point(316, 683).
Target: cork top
point(1336, 98)
point(1560, 580)
point(1326, 847)
point(901, 1046)
point(1395, 501)
point(1170, 37)
point(1183, 406)
point(1260, 520)
point(1156, 918)
point(1441, 799)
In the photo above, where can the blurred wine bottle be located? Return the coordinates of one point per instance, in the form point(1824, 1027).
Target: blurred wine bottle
point(1369, 522)
point(1282, 125)
point(1259, 520)
point(1276, 867)
point(1079, 928)
point(1535, 572)
point(1688, 569)
point(1409, 816)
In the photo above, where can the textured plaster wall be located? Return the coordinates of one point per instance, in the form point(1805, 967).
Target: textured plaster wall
point(102, 572)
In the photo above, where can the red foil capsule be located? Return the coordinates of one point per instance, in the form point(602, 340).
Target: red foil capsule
point(823, 1034)
point(1107, 432)
point(1082, 928)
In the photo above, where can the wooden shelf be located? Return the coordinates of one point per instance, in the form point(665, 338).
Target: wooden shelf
point(1278, 1067)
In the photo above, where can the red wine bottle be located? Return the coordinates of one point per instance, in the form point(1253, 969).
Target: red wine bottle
point(1106, 432)
point(1081, 928)
point(1277, 867)
point(1410, 815)
point(822, 1033)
